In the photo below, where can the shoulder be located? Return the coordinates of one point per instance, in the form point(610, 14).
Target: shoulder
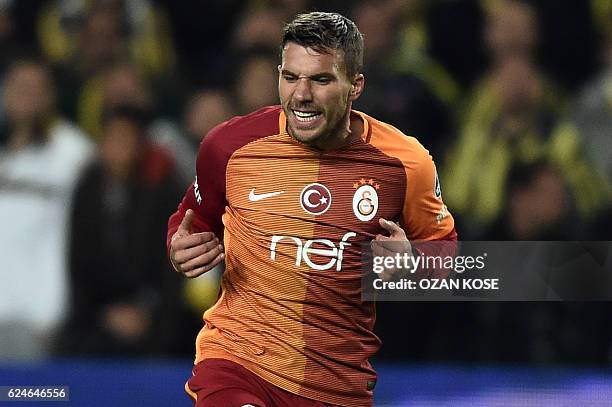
point(68, 137)
point(71, 147)
point(394, 143)
point(222, 141)
point(241, 130)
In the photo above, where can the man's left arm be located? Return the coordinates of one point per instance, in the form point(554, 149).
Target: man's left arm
point(426, 227)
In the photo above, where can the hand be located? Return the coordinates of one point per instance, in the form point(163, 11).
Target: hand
point(389, 246)
point(194, 253)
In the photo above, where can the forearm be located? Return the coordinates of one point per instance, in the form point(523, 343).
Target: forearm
point(199, 224)
point(441, 249)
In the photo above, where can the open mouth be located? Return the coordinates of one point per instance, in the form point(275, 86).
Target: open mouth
point(306, 117)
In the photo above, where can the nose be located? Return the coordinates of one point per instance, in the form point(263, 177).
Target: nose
point(302, 91)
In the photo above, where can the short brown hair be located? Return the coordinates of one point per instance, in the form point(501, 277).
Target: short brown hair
point(324, 32)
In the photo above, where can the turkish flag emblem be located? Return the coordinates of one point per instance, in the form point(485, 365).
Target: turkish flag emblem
point(315, 199)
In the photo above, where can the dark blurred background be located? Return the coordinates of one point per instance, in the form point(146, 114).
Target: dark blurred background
point(104, 102)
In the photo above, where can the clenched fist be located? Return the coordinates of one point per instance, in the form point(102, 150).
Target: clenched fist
point(194, 253)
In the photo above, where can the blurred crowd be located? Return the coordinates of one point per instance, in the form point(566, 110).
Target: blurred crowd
point(103, 104)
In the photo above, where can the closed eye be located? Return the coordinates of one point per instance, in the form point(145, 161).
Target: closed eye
point(322, 79)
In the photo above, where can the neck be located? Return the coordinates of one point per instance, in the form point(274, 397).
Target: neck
point(27, 131)
point(21, 136)
point(349, 129)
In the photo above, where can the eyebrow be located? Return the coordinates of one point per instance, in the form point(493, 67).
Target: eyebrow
point(315, 76)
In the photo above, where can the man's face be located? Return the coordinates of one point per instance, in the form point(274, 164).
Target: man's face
point(27, 93)
point(120, 145)
point(315, 93)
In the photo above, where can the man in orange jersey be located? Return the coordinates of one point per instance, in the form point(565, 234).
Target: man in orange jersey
point(294, 192)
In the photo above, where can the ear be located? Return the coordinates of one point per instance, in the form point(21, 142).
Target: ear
point(357, 86)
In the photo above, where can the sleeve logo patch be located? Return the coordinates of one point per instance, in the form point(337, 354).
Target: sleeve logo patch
point(437, 188)
point(196, 191)
point(442, 214)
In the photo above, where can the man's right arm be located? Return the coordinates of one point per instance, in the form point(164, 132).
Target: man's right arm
point(195, 228)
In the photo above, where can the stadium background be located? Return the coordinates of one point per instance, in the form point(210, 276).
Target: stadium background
point(513, 99)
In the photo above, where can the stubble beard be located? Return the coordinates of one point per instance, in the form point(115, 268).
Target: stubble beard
point(328, 134)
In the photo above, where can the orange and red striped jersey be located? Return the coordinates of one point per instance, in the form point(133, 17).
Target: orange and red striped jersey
point(293, 220)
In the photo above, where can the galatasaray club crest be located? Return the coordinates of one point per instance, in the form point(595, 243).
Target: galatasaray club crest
point(365, 200)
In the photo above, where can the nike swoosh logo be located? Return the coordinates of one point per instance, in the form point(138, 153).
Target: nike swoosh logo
point(253, 197)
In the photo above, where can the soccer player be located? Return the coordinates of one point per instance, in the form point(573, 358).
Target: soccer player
point(293, 191)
